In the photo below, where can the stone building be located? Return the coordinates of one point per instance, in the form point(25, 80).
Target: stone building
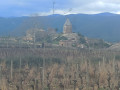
point(67, 27)
point(34, 34)
point(66, 43)
point(72, 38)
point(67, 31)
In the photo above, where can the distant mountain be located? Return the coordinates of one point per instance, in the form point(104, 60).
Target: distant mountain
point(104, 25)
point(106, 14)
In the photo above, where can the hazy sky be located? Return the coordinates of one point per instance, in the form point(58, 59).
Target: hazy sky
point(44, 7)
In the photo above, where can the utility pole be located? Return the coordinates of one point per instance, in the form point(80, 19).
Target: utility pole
point(87, 75)
point(0, 76)
point(11, 69)
point(20, 66)
point(53, 7)
point(43, 63)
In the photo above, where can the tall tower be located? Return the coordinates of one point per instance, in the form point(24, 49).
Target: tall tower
point(67, 27)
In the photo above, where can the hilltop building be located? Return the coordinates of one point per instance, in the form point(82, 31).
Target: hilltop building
point(67, 29)
point(34, 33)
point(50, 36)
point(72, 38)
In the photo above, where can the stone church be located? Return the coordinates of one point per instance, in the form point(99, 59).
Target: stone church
point(67, 27)
point(72, 38)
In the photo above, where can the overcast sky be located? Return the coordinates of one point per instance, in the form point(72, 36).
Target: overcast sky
point(44, 7)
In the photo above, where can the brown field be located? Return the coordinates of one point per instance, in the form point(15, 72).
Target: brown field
point(59, 69)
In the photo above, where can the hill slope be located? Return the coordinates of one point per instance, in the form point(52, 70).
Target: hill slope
point(104, 26)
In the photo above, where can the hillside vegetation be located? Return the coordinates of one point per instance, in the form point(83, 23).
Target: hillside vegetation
point(104, 26)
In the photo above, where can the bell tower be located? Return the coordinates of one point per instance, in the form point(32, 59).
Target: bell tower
point(67, 29)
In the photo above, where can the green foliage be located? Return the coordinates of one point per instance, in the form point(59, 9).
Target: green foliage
point(99, 44)
point(60, 38)
point(80, 35)
point(46, 38)
point(74, 45)
point(81, 39)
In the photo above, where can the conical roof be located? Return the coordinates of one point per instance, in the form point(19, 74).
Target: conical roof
point(67, 22)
